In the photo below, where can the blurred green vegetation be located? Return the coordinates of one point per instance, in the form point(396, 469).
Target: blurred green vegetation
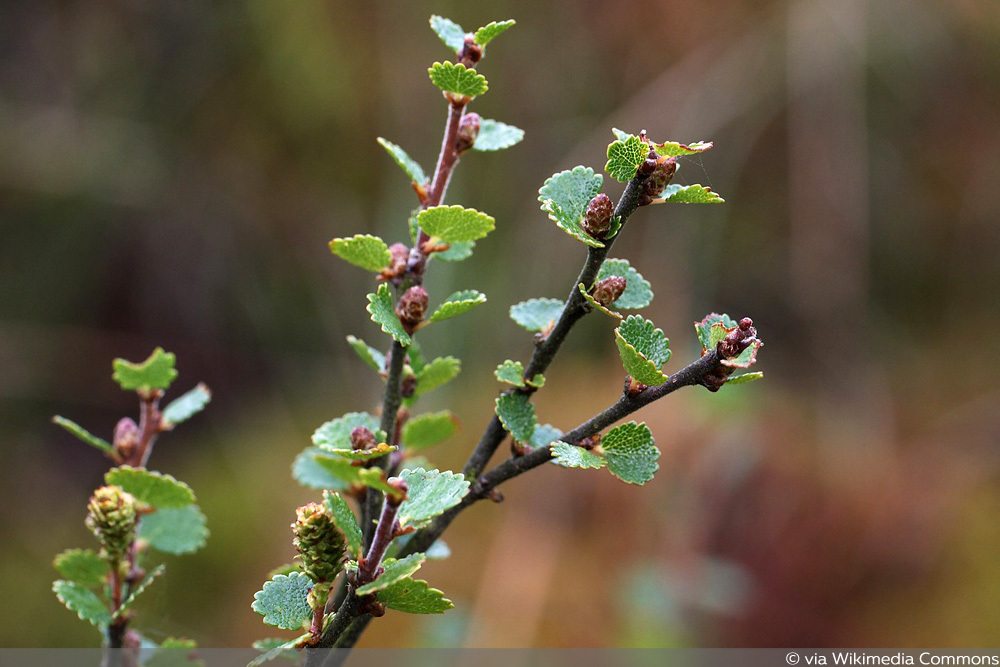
point(170, 174)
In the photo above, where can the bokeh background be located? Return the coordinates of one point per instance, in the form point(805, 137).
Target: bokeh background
point(170, 173)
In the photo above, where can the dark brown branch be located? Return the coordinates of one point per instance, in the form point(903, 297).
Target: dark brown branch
point(692, 374)
point(574, 308)
point(391, 400)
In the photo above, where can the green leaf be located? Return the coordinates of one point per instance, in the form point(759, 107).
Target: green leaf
point(544, 435)
point(363, 250)
point(638, 292)
point(631, 453)
point(415, 358)
point(438, 372)
point(512, 372)
point(84, 435)
point(643, 349)
point(457, 79)
point(179, 530)
point(690, 194)
point(83, 601)
point(283, 601)
point(745, 359)
point(187, 405)
point(344, 517)
point(82, 566)
point(458, 303)
point(156, 372)
point(745, 378)
point(709, 337)
point(517, 415)
point(429, 493)
point(455, 224)
point(624, 158)
point(675, 149)
point(313, 469)
point(139, 589)
point(537, 314)
point(486, 34)
point(395, 571)
point(151, 487)
point(620, 135)
point(414, 596)
point(374, 478)
point(594, 303)
point(409, 166)
point(496, 136)
point(450, 32)
point(367, 354)
point(564, 197)
point(383, 313)
point(571, 456)
point(376, 452)
point(336, 433)
point(428, 429)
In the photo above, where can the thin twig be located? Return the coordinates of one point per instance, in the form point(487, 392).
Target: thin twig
point(690, 375)
point(574, 308)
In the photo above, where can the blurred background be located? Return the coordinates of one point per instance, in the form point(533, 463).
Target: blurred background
point(170, 174)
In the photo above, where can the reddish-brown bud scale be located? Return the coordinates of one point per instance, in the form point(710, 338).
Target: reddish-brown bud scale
point(411, 307)
point(408, 386)
point(659, 177)
point(397, 266)
point(362, 438)
point(470, 53)
point(468, 131)
point(597, 219)
point(737, 340)
point(607, 291)
point(126, 438)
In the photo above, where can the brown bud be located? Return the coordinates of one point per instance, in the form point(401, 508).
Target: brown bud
point(126, 438)
point(362, 438)
point(401, 488)
point(737, 340)
point(397, 266)
point(597, 219)
point(607, 291)
point(659, 177)
point(408, 386)
point(649, 164)
point(468, 130)
point(470, 53)
point(411, 307)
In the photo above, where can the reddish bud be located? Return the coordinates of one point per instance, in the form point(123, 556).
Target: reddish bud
point(362, 438)
point(401, 489)
point(468, 130)
point(126, 438)
point(411, 307)
point(408, 386)
point(737, 340)
point(659, 177)
point(607, 291)
point(397, 266)
point(597, 219)
point(470, 53)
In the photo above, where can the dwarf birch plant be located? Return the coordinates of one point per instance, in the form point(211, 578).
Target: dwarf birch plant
point(381, 509)
point(368, 562)
point(138, 513)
